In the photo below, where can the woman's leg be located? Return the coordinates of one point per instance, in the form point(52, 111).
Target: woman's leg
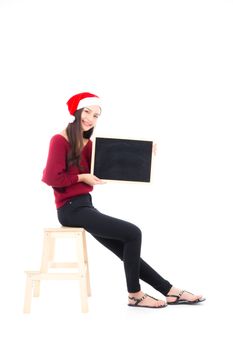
point(149, 275)
point(146, 272)
point(124, 239)
point(104, 226)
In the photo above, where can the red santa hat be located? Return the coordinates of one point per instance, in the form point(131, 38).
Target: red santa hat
point(84, 99)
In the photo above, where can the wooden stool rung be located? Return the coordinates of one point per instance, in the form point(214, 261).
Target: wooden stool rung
point(54, 275)
point(58, 265)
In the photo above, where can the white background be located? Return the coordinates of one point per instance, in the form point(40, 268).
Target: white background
point(164, 71)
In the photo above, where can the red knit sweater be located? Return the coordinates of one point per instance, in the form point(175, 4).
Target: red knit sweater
point(65, 182)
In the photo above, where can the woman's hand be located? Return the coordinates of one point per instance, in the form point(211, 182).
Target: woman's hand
point(90, 179)
point(154, 149)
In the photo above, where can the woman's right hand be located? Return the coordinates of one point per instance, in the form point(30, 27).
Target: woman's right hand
point(90, 179)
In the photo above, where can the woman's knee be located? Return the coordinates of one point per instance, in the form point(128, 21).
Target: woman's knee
point(136, 233)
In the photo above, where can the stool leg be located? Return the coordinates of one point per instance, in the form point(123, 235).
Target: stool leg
point(36, 289)
point(52, 248)
point(28, 295)
point(83, 279)
point(87, 264)
point(47, 253)
point(83, 289)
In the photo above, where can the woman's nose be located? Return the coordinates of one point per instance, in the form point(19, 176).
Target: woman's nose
point(90, 118)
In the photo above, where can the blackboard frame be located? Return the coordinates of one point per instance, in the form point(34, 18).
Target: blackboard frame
point(148, 146)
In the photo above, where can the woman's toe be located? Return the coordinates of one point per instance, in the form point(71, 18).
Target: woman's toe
point(162, 303)
point(192, 297)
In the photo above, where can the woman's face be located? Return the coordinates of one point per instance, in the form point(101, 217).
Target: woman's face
point(89, 117)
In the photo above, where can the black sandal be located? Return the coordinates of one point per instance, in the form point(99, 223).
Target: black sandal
point(142, 298)
point(182, 301)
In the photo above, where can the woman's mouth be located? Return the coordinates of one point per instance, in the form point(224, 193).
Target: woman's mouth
point(88, 125)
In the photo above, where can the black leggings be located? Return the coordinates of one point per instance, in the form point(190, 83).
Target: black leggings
point(121, 237)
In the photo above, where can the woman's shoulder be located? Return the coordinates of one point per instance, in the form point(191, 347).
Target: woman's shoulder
point(63, 134)
point(59, 138)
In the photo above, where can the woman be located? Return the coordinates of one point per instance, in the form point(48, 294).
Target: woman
point(68, 172)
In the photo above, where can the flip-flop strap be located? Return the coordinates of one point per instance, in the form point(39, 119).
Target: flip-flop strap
point(176, 296)
point(138, 300)
point(186, 292)
point(152, 297)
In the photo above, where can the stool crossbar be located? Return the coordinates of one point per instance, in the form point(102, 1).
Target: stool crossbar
point(33, 278)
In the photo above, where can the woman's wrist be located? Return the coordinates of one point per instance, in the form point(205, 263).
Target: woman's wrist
point(81, 178)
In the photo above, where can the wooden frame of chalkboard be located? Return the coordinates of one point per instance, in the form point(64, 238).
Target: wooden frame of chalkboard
point(118, 159)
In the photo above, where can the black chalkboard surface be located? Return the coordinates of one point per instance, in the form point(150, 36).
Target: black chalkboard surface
point(122, 159)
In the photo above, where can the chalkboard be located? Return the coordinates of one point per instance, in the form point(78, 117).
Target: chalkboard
point(122, 159)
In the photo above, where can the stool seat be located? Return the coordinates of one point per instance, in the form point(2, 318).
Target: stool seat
point(33, 278)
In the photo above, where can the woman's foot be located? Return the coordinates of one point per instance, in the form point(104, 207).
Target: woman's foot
point(141, 299)
point(179, 296)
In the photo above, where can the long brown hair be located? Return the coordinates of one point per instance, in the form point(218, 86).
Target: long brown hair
point(75, 135)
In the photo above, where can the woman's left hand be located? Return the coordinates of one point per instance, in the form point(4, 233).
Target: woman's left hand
point(154, 149)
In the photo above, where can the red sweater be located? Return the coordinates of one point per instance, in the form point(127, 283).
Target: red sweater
point(65, 182)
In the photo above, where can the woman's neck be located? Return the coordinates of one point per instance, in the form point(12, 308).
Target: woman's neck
point(64, 134)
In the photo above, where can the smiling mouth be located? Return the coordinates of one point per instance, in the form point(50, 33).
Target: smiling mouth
point(86, 124)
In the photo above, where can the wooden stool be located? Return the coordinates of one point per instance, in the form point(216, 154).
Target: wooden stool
point(34, 277)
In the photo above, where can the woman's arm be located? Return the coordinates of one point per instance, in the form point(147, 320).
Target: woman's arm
point(90, 179)
point(55, 173)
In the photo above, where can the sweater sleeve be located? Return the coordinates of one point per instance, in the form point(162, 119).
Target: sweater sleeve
point(55, 173)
